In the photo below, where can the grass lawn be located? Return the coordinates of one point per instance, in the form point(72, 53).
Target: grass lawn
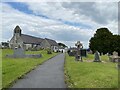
point(91, 57)
point(91, 74)
point(12, 69)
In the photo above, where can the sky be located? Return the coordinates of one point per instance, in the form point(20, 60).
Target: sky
point(66, 22)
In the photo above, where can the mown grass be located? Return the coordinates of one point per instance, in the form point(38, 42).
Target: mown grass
point(91, 57)
point(12, 68)
point(90, 74)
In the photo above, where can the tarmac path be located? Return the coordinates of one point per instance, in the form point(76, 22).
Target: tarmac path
point(48, 75)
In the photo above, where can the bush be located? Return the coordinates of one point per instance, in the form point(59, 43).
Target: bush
point(49, 51)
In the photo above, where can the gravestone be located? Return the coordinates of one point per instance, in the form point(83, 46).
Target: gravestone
point(115, 53)
point(19, 53)
point(97, 57)
point(114, 57)
point(78, 56)
point(83, 52)
point(72, 53)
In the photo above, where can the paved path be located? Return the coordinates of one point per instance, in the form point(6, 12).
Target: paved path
point(48, 75)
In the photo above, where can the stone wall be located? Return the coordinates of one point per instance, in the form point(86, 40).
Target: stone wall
point(45, 44)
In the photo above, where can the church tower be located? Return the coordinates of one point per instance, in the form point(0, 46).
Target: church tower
point(17, 30)
point(17, 40)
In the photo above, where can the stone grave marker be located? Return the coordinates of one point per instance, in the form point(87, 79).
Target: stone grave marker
point(19, 53)
point(97, 57)
point(78, 56)
point(114, 57)
point(115, 54)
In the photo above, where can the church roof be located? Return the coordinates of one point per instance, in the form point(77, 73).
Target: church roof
point(52, 42)
point(31, 39)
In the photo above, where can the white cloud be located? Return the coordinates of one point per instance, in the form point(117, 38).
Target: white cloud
point(60, 1)
point(92, 14)
point(54, 29)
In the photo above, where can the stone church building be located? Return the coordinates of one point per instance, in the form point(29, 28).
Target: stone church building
point(28, 42)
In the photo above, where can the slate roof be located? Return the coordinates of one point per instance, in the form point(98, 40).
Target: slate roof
point(35, 40)
point(31, 39)
point(52, 42)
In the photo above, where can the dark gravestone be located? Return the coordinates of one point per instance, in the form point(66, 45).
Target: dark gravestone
point(72, 53)
point(83, 52)
point(97, 57)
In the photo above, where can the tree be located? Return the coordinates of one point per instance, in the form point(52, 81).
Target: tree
point(101, 41)
point(115, 45)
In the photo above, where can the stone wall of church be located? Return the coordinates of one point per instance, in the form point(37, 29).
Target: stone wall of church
point(45, 44)
point(28, 46)
point(16, 41)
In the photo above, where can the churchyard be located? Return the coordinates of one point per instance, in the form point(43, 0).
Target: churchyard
point(13, 69)
point(81, 69)
point(92, 70)
point(89, 74)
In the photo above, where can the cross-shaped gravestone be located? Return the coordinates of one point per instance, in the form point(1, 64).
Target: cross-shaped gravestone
point(78, 56)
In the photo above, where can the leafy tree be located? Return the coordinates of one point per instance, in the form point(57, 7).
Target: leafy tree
point(115, 43)
point(101, 41)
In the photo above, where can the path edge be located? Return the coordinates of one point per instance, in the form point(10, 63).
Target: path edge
point(67, 79)
point(20, 77)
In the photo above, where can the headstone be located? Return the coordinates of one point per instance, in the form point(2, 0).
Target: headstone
point(83, 52)
point(19, 53)
point(73, 53)
point(114, 57)
point(115, 54)
point(97, 57)
point(78, 56)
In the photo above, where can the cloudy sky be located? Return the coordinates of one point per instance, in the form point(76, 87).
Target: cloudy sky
point(65, 22)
